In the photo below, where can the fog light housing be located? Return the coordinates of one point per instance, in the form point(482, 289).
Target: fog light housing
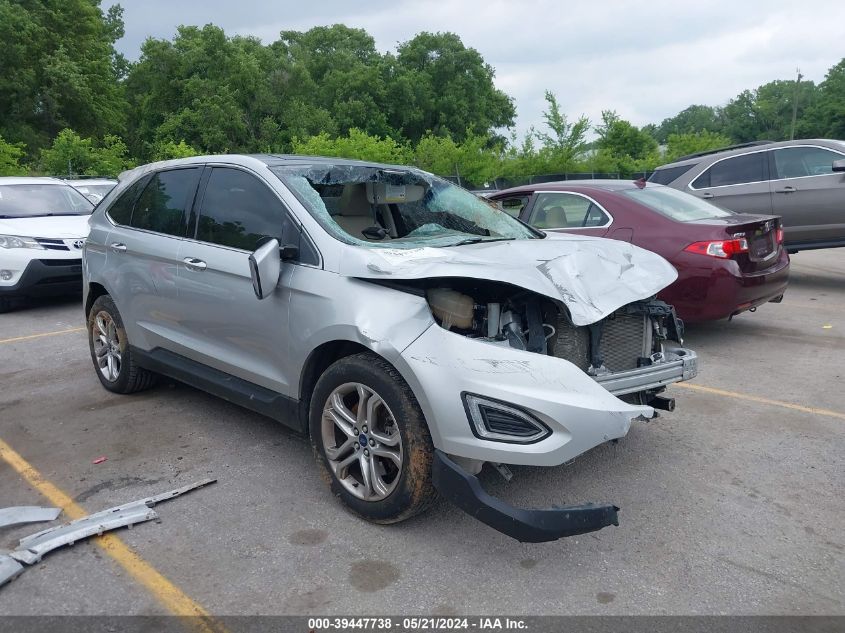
point(6, 275)
point(502, 422)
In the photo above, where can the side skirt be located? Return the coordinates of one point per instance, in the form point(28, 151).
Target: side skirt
point(218, 383)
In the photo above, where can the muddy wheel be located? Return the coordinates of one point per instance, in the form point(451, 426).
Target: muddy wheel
point(113, 361)
point(371, 440)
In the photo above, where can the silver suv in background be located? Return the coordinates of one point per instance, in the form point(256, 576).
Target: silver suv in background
point(802, 181)
point(411, 329)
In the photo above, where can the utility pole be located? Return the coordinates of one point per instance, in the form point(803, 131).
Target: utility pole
point(795, 104)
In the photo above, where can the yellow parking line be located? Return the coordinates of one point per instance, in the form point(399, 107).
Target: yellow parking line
point(168, 594)
point(750, 398)
point(31, 336)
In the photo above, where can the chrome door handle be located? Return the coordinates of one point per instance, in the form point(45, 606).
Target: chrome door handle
point(192, 263)
point(707, 195)
point(118, 247)
point(786, 190)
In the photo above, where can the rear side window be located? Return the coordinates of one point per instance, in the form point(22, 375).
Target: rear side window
point(797, 162)
point(566, 211)
point(670, 174)
point(121, 210)
point(238, 210)
point(161, 206)
point(738, 170)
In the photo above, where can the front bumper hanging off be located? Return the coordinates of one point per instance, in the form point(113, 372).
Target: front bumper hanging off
point(526, 526)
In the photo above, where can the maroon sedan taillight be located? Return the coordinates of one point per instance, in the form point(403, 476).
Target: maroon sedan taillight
point(724, 249)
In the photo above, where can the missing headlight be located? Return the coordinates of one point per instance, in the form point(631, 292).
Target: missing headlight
point(501, 422)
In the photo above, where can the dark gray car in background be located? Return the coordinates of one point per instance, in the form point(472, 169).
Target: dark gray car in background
point(802, 181)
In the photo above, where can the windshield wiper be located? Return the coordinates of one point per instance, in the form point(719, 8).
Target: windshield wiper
point(477, 240)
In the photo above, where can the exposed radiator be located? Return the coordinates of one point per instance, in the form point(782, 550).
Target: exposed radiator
point(625, 338)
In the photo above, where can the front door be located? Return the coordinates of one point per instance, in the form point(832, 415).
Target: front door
point(225, 325)
point(808, 194)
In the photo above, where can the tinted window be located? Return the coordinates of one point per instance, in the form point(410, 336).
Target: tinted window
point(513, 206)
point(795, 162)
point(566, 211)
point(238, 210)
point(121, 210)
point(665, 176)
point(161, 207)
point(734, 171)
point(677, 205)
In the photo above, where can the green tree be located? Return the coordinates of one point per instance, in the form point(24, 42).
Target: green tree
point(168, 150)
point(766, 112)
point(565, 143)
point(11, 155)
point(695, 118)
point(474, 161)
point(826, 116)
point(357, 144)
point(59, 69)
point(444, 87)
point(72, 155)
point(679, 145)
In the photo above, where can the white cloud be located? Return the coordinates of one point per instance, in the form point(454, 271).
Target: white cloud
point(646, 60)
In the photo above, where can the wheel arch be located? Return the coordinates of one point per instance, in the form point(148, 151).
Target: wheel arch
point(94, 292)
point(328, 353)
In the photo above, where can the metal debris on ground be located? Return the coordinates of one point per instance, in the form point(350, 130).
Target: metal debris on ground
point(34, 546)
point(17, 515)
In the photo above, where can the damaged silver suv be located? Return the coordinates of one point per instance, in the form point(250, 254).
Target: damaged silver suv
point(410, 329)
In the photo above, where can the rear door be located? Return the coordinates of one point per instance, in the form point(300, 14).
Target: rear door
point(225, 326)
point(567, 211)
point(808, 194)
point(142, 254)
point(739, 183)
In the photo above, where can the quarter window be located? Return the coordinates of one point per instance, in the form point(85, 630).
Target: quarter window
point(566, 211)
point(734, 171)
point(121, 210)
point(161, 207)
point(238, 210)
point(797, 162)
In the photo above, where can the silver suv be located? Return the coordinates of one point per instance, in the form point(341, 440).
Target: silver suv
point(412, 330)
point(801, 181)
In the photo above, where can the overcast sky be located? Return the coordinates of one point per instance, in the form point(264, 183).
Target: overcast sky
point(647, 59)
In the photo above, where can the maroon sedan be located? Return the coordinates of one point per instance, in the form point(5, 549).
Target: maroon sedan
point(727, 262)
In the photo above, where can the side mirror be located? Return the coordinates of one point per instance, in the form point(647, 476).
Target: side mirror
point(265, 264)
point(839, 165)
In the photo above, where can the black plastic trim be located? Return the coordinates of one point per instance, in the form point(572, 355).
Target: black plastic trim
point(526, 526)
point(510, 405)
point(218, 383)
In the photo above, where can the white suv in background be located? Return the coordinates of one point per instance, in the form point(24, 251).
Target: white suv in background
point(43, 226)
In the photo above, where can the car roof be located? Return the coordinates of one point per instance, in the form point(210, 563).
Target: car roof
point(605, 184)
point(90, 181)
point(256, 160)
point(745, 148)
point(30, 180)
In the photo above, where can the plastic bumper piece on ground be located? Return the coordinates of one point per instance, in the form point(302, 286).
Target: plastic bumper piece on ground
point(526, 526)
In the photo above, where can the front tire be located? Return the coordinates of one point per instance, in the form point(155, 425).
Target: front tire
point(371, 440)
point(113, 360)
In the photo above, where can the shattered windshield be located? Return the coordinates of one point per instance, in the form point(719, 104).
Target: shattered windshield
point(395, 207)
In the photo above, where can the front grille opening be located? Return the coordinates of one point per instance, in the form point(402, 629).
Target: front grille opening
point(625, 339)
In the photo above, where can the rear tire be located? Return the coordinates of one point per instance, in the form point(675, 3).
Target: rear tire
point(113, 360)
point(376, 457)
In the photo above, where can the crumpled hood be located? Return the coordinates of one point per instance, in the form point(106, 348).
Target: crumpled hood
point(592, 276)
point(58, 227)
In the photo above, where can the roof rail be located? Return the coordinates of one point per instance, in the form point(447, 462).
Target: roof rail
point(722, 149)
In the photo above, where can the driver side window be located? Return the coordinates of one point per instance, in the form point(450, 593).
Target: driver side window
point(563, 210)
